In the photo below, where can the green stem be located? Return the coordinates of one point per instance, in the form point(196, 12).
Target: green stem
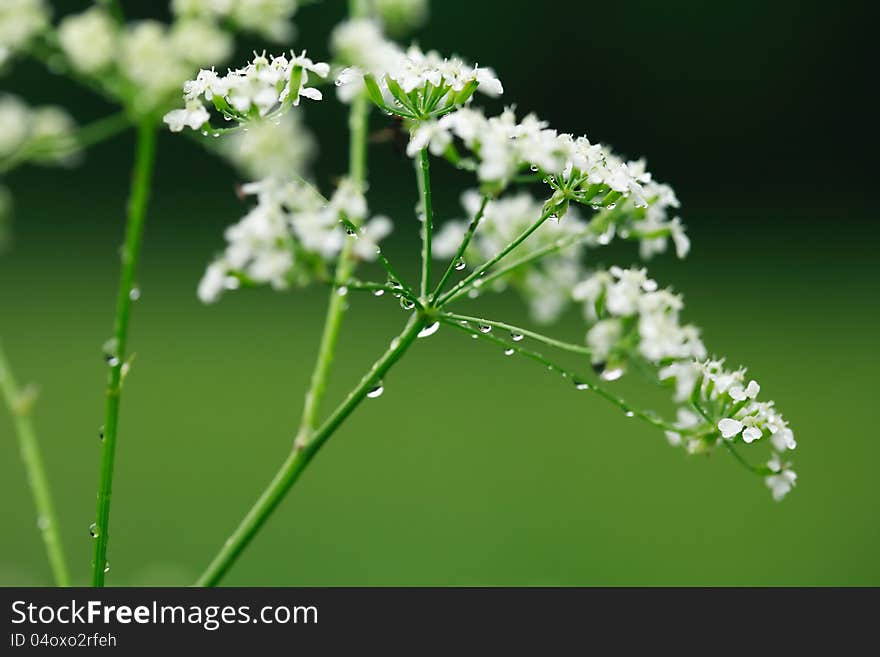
point(145, 155)
point(337, 303)
point(466, 283)
point(35, 469)
point(302, 455)
point(576, 381)
point(424, 176)
point(540, 337)
point(462, 248)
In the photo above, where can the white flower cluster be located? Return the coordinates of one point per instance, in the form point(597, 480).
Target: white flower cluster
point(725, 394)
point(412, 83)
point(146, 60)
point(20, 21)
point(632, 318)
point(289, 234)
point(546, 286)
point(249, 92)
point(268, 147)
point(43, 135)
point(268, 18)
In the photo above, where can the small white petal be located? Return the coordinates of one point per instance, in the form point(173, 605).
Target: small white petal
point(729, 427)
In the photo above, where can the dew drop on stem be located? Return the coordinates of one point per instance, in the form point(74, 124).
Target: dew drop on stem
point(611, 374)
point(429, 330)
point(406, 304)
point(134, 293)
point(376, 391)
point(485, 328)
point(580, 385)
point(509, 351)
point(516, 337)
point(378, 293)
point(459, 264)
point(94, 532)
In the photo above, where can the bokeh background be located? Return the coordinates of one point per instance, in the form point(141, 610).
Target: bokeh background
point(473, 468)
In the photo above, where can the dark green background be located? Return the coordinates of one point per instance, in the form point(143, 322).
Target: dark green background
point(474, 468)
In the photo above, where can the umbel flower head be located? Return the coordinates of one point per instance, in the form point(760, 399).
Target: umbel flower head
point(289, 236)
point(263, 86)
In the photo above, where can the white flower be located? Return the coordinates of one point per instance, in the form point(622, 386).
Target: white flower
point(429, 134)
point(194, 116)
point(15, 119)
point(20, 21)
point(213, 282)
point(375, 230)
point(783, 439)
point(201, 42)
point(623, 295)
point(686, 420)
point(89, 40)
point(685, 374)
point(738, 393)
point(269, 18)
point(730, 427)
point(781, 484)
point(603, 337)
point(266, 148)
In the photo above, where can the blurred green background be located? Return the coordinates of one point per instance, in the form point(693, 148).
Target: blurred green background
point(473, 468)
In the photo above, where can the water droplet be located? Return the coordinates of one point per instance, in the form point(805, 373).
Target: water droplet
point(485, 328)
point(605, 238)
point(545, 180)
point(94, 532)
point(534, 168)
point(554, 218)
point(516, 337)
point(351, 232)
point(612, 374)
point(378, 293)
point(459, 265)
point(406, 304)
point(474, 336)
point(338, 82)
point(101, 432)
point(112, 361)
point(342, 291)
point(204, 133)
point(595, 206)
point(134, 293)
point(376, 391)
point(106, 566)
point(509, 351)
point(43, 523)
point(580, 385)
point(473, 294)
point(611, 206)
point(429, 330)
point(629, 414)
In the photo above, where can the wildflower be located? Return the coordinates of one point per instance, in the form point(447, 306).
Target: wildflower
point(193, 115)
point(268, 18)
point(783, 478)
point(20, 22)
point(90, 40)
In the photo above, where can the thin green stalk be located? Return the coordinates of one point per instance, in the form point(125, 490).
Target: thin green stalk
point(472, 228)
point(466, 283)
point(337, 303)
point(35, 469)
point(145, 156)
point(424, 176)
point(560, 244)
point(302, 455)
point(516, 330)
point(577, 382)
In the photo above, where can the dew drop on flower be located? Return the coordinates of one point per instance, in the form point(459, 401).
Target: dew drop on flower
point(378, 293)
point(429, 330)
point(94, 532)
point(509, 351)
point(485, 328)
point(459, 265)
point(516, 337)
point(134, 293)
point(376, 391)
point(612, 374)
point(406, 304)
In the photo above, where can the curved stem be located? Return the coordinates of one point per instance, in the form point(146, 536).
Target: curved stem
point(540, 337)
point(466, 283)
point(424, 175)
point(472, 228)
point(35, 469)
point(145, 152)
point(577, 382)
point(302, 455)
